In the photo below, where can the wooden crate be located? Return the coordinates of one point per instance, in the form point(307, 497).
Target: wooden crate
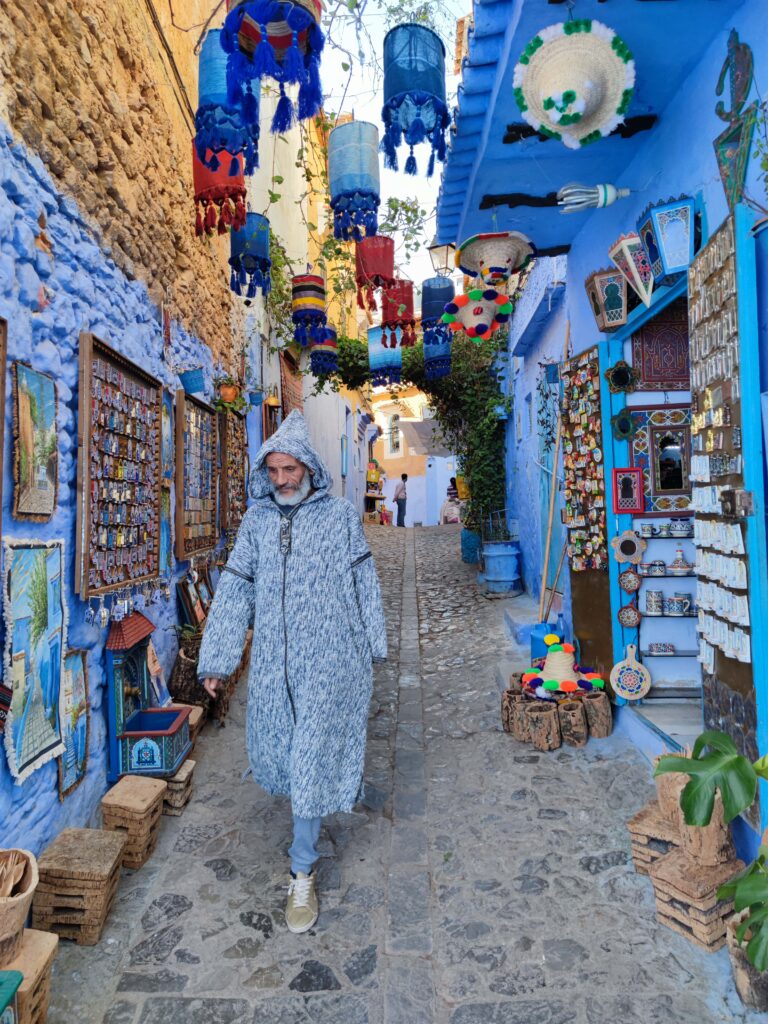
point(179, 789)
point(38, 951)
point(652, 836)
point(686, 897)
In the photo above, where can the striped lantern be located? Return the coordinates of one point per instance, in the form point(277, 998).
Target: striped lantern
point(374, 268)
point(249, 258)
point(220, 130)
point(324, 352)
point(308, 305)
point(385, 361)
point(353, 176)
point(278, 40)
point(436, 292)
point(397, 312)
point(219, 198)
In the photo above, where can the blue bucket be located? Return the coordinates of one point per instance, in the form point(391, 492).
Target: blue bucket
point(470, 547)
point(501, 558)
point(256, 398)
point(192, 380)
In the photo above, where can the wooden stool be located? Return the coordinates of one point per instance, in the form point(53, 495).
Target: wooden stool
point(179, 789)
point(38, 951)
point(79, 878)
point(134, 806)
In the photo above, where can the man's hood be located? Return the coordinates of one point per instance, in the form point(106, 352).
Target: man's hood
point(292, 438)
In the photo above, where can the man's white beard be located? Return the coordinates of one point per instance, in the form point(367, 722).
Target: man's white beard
point(293, 497)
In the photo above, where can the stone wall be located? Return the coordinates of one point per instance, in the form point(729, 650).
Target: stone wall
point(92, 89)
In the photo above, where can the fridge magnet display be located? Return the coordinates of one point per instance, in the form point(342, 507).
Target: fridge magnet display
point(234, 461)
point(75, 722)
point(118, 472)
point(35, 639)
point(196, 476)
point(166, 433)
point(661, 448)
point(628, 547)
point(36, 444)
point(3, 359)
point(165, 561)
point(628, 493)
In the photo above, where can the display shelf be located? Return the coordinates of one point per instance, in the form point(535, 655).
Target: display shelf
point(666, 615)
point(667, 576)
point(673, 654)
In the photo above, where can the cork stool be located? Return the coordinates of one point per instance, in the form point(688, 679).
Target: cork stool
point(179, 791)
point(34, 962)
point(134, 806)
point(79, 877)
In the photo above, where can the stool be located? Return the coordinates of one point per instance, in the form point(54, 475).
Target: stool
point(134, 806)
point(34, 962)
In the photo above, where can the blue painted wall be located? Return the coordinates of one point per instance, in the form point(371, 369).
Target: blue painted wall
point(47, 302)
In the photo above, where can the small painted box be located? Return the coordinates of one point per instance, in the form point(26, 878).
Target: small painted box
point(9, 986)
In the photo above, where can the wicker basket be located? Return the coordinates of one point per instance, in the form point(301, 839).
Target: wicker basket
point(15, 909)
point(184, 686)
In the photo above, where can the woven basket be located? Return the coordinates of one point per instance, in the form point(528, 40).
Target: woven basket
point(14, 911)
point(184, 686)
point(559, 665)
point(190, 644)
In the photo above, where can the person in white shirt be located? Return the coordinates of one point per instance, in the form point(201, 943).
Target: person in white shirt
point(400, 499)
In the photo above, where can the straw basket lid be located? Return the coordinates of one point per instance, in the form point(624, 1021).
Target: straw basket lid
point(574, 81)
point(495, 257)
point(559, 665)
point(478, 313)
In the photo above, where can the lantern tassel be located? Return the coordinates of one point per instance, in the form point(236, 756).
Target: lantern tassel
point(431, 164)
point(284, 113)
point(214, 163)
point(293, 64)
point(238, 221)
point(372, 300)
point(234, 282)
point(210, 218)
point(250, 107)
point(389, 145)
point(311, 90)
point(410, 164)
point(198, 221)
point(264, 62)
point(417, 130)
point(234, 167)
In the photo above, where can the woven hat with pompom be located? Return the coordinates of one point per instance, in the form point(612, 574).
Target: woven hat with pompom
point(574, 82)
point(495, 257)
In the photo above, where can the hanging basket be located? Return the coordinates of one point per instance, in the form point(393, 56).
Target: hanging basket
point(436, 292)
point(255, 398)
point(324, 354)
point(308, 304)
point(353, 176)
point(193, 381)
point(219, 196)
point(249, 259)
point(478, 313)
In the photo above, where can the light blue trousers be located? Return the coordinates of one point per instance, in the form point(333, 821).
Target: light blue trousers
point(303, 852)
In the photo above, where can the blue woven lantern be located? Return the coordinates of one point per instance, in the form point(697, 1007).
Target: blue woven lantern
point(436, 293)
point(219, 124)
point(414, 94)
point(324, 354)
point(353, 174)
point(249, 257)
point(386, 362)
point(279, 40)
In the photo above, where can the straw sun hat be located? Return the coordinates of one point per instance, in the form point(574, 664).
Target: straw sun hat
point(574, 81)
point(494, 257)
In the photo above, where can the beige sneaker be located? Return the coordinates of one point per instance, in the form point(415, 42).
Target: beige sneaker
point(302, 909)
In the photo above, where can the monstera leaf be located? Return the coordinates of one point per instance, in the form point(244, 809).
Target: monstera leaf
point(749, 891)
point(715, 764)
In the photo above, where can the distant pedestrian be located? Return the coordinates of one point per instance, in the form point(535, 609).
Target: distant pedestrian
point(452, 491)
point(401, 497)
point(301, 574)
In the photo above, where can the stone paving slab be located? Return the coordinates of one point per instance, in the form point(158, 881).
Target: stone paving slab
point(479, 882)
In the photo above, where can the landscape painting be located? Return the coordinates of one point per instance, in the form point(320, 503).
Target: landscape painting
point(75, 722)
point(36, 444)
point(166, 436)
point(35, 624)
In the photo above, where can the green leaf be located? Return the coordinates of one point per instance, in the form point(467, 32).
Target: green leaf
point(274, 197)
point(761, 766)
point(751, 889)
point(757, 948)
point(716, 740)
point(278, 179)
point(344, 66)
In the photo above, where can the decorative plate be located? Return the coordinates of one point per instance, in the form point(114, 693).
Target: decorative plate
point(629, 616)
point(630, 581)
point(629, 678)
point(628, 547)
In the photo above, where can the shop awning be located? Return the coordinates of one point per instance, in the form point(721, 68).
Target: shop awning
point(423, 438)
point(499, 174)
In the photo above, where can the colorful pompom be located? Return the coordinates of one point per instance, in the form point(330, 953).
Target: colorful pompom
point(569, 648)
point(598, 683)
point(551, 638)
point(568, 686)
point(556, 647)
point(551, 684)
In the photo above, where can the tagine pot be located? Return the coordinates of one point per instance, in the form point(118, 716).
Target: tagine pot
point(228, 392)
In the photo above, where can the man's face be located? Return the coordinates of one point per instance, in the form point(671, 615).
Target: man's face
point(285, 473)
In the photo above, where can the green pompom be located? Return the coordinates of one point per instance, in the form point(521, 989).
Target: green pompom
point(598, 684)
point(475, 294)
point(556, 647)
point(551, 684)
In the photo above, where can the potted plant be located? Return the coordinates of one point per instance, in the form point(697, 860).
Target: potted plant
point(715, 766)
point(230, 397)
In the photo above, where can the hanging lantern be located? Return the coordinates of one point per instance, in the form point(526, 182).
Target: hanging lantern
point(353, 175)
point(220, 131)
point(282, 41)
point(436, 293)
point(575, 198)
point(385, 361)
point(308, 305)
point(397, 311)
point(666, 231)
point(249, 257)
point(607, 293)
point(414, 95)
point(374, 268)
point(627, 253)
point(324, 353)
point(219, 198)
point(495, 257)
point(443, 257)
point(478, 313)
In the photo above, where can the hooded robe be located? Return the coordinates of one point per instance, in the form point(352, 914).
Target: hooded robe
point(304, 578)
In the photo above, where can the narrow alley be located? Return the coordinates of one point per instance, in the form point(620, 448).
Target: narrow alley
point(479, 883)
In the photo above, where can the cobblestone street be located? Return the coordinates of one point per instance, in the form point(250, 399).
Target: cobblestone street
point(480, 883)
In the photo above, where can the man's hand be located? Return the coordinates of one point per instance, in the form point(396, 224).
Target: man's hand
point(211, 686)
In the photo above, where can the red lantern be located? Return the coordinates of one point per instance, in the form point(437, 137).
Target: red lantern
point(397, 312)
point(219, 197)
point(375, 268)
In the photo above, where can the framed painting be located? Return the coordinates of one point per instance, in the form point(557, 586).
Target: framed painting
point(36, 444)
point(167, 456)
point(628, 493)
point(75, 722)
point(35, 640)
point(191, 604)
point(661, 448)
point(204, 591)
point(660, 350)
point(166, 560)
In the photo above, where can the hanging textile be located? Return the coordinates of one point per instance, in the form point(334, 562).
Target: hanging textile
point(397, 312)
point(324, 353)
point(436, 292)
point(308, 304)
point(353, 175)
point(374, 268)
point(414, 109)
point(385, 360)
point(279, 40)
point(219, 197)
point(249, 257)
point(221, 134)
